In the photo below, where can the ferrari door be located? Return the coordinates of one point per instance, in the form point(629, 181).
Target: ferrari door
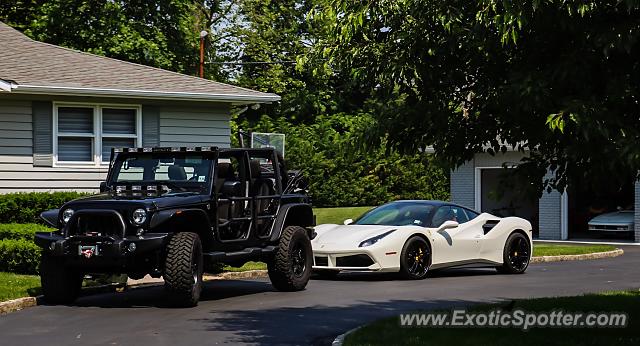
point(456, 244)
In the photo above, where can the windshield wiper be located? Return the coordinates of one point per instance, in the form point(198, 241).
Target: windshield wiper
point(174, 186)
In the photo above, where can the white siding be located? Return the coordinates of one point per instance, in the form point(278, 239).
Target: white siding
point(195, 127)
point(549, 212)
point(178, 127)
point(463, 185)
point(17, 174)
point(15, 123)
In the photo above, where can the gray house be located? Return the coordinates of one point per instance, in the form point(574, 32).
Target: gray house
point(61, 112)
point(555, 216)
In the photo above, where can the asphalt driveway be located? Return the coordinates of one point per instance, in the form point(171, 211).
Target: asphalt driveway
point(251, 312)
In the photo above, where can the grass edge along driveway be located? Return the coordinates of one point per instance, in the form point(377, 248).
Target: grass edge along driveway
point(388, 331)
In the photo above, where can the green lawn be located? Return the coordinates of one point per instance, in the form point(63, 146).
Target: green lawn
point(562, 249)
point(247, 266)
point(388, 331)
point(338, 215)
point(14, 286)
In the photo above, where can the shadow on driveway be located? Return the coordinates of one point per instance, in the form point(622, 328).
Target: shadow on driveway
point(437, 273)
point(156, 296)
point(316, 325)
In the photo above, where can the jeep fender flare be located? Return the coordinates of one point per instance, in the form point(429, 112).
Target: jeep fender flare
point(50, 217)
point(197, 220)
point(298, 214)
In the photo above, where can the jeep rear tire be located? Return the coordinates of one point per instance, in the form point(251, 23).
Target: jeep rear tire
point(60, 284)
point(290, 268)
point(183, 269)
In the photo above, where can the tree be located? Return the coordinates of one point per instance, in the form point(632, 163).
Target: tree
point(160, 33)
point(558, 78)
point(273, 36)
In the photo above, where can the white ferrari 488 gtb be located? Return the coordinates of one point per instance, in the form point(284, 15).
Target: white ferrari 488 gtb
point(412, 237)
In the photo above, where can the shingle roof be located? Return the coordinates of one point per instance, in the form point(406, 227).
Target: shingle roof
point(35, 67)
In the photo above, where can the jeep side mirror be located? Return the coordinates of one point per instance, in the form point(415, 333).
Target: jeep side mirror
point(348, 221)
point(103, 186)
point(231, 188)
point(449, 224)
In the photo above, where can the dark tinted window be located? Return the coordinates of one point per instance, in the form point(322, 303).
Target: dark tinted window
point(441, 215)
point(471, 214)
point(448, 213)
point(459, 215)
point(397, 214)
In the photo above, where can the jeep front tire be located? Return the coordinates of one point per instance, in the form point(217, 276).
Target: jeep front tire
point(183, 269)
point(60, 284)
point(290, 268)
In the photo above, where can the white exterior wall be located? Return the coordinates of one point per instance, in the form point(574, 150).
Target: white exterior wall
point(183, 126)
point(465, 187)
point(195, 127)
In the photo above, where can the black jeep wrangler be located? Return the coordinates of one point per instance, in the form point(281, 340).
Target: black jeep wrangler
point(179, 212)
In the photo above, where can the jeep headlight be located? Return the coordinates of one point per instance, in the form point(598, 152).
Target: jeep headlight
point(66, 215)
point(139, 216)
point(375, 239)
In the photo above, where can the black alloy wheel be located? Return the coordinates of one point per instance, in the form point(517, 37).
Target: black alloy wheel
point(298, 260)
point(415, 258)
point(517, 255)
point(290, 267)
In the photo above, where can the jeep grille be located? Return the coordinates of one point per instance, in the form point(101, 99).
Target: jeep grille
point(97, 223)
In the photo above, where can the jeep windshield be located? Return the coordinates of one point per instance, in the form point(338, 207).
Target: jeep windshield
point(162, 171)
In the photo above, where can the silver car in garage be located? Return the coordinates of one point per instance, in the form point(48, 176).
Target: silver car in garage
point(617, 221)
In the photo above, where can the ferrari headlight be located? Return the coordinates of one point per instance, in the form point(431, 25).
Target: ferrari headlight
point(66, 215)
point(375, 239)
point(139, 216)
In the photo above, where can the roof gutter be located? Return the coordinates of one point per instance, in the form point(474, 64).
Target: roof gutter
point(238, 99)
point(6, 86)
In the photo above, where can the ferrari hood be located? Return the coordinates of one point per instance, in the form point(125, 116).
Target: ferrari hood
point(348, 234)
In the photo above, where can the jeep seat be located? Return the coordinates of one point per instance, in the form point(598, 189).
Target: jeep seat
point(260, 187)
point(177, 172)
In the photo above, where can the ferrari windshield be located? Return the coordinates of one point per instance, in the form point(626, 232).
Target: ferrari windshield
point(184, 171)
point(398, 214)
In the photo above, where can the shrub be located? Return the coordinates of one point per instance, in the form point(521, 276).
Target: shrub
point(19, 256)
point(26, 207)
point(24, 231)
point(343, 173)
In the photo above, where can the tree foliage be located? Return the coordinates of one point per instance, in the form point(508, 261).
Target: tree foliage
point(160, 33)
point(558, 78)
point(341, 174)
point(274, 37)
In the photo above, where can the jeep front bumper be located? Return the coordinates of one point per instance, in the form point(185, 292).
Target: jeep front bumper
point(105, 247)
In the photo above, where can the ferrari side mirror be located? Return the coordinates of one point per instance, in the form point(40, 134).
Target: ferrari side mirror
point(348, 221)
point(449, 224)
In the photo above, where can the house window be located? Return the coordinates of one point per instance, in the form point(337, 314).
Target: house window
point(85, 134)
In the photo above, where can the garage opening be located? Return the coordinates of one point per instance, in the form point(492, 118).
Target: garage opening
point(601, 212)
point(502, 194)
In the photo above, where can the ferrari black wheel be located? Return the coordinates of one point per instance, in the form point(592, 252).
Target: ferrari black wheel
point(517, 254)
point(415, 258)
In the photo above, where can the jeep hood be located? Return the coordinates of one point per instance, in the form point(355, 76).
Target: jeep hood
point(111, 200)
